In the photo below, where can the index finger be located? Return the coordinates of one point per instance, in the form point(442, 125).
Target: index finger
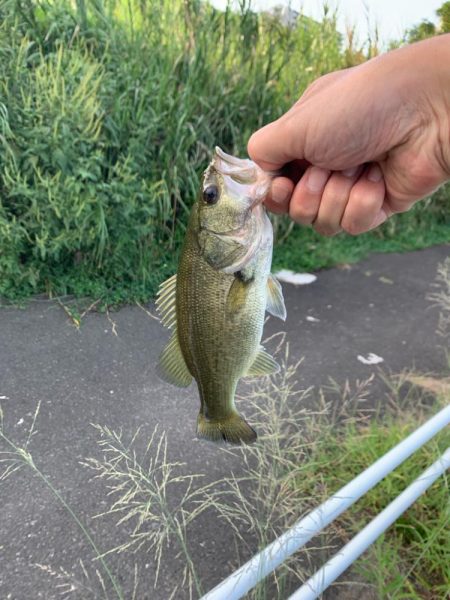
point(277, 200)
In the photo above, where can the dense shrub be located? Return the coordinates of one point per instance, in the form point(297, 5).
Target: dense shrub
point(108, 114)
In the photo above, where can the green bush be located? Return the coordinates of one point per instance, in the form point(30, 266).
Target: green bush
point(109, 111)
point(108, 118)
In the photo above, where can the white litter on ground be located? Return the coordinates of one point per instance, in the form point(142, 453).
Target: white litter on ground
point(371, 359)
point(312, 319)
point(4, 398)
point(295, 278)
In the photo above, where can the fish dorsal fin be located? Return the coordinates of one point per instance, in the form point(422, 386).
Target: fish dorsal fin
point(172, 366)
point(264, 364)
point(165, 302)
point(275, 301)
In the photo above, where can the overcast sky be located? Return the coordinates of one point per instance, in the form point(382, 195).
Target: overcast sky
point(391, 16)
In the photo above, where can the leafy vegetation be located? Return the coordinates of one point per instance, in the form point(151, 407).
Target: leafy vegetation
point(427, 28)
point(411, 560)
point(108, 114)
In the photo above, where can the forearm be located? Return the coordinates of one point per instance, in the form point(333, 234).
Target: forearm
point(439, 48)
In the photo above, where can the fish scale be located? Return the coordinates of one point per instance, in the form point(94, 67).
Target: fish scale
point(217, 303)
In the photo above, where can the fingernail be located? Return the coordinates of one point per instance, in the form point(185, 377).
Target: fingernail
point(379, 219)
point(316, 179)
point(350, 172)
point(375, 174)
point(279, 194)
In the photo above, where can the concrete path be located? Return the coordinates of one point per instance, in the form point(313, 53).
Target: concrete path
point(91, 375)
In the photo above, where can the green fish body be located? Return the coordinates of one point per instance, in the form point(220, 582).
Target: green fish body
point(216, 303)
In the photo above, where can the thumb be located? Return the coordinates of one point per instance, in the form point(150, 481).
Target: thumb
point(277, 143)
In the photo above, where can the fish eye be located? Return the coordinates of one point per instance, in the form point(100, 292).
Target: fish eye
point(211, 194)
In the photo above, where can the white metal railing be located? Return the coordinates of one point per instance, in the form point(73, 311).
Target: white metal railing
point(316, 584)
point(246, 577)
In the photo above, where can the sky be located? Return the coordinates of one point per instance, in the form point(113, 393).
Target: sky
point(391, 16)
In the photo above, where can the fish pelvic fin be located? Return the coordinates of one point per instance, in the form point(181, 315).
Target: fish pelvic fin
point(233, 429)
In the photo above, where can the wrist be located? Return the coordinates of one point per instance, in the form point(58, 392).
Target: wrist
point(443, 77)
point(434, 62)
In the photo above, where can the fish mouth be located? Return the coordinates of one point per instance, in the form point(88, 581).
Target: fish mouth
point(236, 235)
point(242, 176)
point(242, 170)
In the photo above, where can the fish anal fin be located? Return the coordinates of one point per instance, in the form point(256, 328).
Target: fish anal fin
point(172, 367)
point(275, 301)
point(264, 364)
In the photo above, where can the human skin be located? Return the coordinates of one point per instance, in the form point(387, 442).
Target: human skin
point(363, 143)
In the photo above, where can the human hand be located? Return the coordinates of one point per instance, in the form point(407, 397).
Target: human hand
point(363, 143)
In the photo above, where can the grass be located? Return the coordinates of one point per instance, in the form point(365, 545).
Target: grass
point(441, 298)
point(145, 498)
point(301, 457)
point(108, 114)
point(109, 111)
point(14, 457)
point(309, 445)
point(411, 560)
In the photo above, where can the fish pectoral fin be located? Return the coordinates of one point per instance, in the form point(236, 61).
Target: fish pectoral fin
point(264, 364)
point(275, 301)
point(165, 302)
point(236, 295)
point(172, 366)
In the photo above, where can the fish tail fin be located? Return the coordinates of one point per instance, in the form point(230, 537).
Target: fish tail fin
point(232, 429)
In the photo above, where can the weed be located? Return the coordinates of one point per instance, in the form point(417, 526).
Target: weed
point(109, 111)
point(302, 456)
point(441, 298)
point(15, 457)
point(143, 488)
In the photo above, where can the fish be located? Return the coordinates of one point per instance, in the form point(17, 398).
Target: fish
point(215, 304)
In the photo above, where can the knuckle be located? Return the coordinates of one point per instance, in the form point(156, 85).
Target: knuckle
point(252, 145)
point(325, 231)
point(302, 214)
point(335, 197)
point(302, 220)
point(351, 226)
point(338, 189)
point(361, 197)
point(364, 201)
point(397, 206)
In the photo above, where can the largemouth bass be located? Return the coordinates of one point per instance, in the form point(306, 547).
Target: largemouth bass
point(216, 302)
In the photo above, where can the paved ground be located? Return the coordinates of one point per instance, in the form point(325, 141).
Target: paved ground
point(93, 376)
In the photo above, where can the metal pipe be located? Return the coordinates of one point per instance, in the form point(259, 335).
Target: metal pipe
point(243, 579)
point(316, 584)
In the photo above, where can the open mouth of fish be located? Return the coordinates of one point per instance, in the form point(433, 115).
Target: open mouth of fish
point(249, 179)
point(244, 185)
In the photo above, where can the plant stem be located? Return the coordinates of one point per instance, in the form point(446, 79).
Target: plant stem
point(28, 460)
